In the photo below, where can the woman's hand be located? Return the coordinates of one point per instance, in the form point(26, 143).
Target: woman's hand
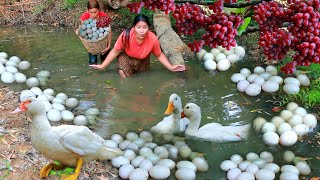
point(96, 66)
point(105, 50)
point(178, 67)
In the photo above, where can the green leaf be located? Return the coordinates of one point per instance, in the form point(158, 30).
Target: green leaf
point(244, 26)
point(108, 82)
point(68, 170)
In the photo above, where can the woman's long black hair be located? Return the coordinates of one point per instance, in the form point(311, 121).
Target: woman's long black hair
point(138, 18)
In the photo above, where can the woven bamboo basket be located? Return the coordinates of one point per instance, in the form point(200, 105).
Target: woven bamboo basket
point(94, 46)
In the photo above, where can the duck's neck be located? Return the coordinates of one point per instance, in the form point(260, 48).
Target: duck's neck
point(40, 122)
point(177, 116)
point(194, 124)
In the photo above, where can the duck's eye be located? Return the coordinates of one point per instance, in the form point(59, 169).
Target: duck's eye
point(176, 98)
point(187, 107)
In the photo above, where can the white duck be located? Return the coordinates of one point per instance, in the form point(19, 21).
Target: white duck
point(174, 122)
point(71, 145)
point(214, 132)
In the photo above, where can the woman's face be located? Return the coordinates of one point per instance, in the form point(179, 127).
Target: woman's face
point(141, 29)
point(94, 13)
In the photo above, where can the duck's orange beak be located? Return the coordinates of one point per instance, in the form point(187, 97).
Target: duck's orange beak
point(21, 108)
point(182, 114)
point(169, 108)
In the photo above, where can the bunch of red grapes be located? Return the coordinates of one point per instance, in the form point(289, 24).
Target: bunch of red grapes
point(104, 21)
point(301, 35)
point(217, 6)
point(135, 7)
point(164, 5)
point(196, 46)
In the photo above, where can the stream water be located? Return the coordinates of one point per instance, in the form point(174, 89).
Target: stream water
point(138, 103)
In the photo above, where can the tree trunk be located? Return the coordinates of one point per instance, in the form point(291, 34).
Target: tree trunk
point(171, 44)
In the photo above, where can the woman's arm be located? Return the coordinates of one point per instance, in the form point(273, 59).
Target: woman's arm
point(109, 43)
point(111, 56)
point(165, 62)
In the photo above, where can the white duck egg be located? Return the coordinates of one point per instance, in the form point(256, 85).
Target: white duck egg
point(288, 156)
point(221, 49)
point(220, 57)
point(92, 111)
point(233, 173)
point(201, 164)
point(288, 138)
point(133, 147)
point(24, 65)
point(3, 55)
point(136, 161)
point(145, 164)
point(300, 111)
point(276, 79)
point(36, 90)
point(265, 174)
point(43, 73)
point(268, 127)
point(286, 114)
point(168, 162)
point(295, 119)
point(226, 165)
point(244, 164)
point(178, 144)
point(251, 156)
point(300, 129)
point(258, 70)
point(67, 115)
point(253, 89)
point(159, 172)
point(72, 102)
point(267, 156)
point(258, 80)
point(48, 91)
point(20, 78)
point(236, 77)
point(272, 166)
point(258, 123)
point(139, 142)
point(11, 63)
point(58, 106)
point(252, 168)
point(270, 138)
point(185, 173)
point(233, 58)
point(32, 82)
point(146, 136)
point(291, 88)
point(215, 51)
point(124, 144)
point(304, 80)
point(270, 86)
point(161, 151)
point(223, 65)
point(43, 97)
point(11, 69)
point(7, 77)
point(167, 137)
point(131, 136)
point(110, 144)
point(119, 161)
point(277, 121)
point(208, 56)
point(185, 151)
point(239, 50)
point(145, 151)
point(259, 162)
point(228, 52)
point(150, 145)
point(283, 128)
point(210, 65)
point(125, 170)
point(129, 154)
point(186, 164)
point(272, 70)
point(245, 176)
point(201, 53)
point(289, 176)
point(54, 115)
point(310, 120)
point(245, 71)
point(117, 138)
point(265, 75)
point(236, 158)
point(62, 96)
point(242, 85)
point(290, 168)
point(153, 158)
point(139, 174)
point(292, 106)
point(303, 168)
point(15, 59)
point(292, 80)
point(251, 77)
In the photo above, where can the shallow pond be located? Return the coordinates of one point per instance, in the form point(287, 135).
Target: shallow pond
point(138, 103)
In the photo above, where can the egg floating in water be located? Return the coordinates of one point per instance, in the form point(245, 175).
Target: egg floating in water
point(291, 124)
